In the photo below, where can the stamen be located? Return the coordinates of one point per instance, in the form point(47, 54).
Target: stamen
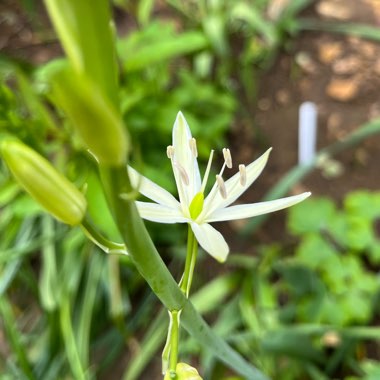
point(207, 172)
point(221, 186)
point(227, 157)
point(193, 147)
point(243, 174)
point(170, 151)
point(182, 173)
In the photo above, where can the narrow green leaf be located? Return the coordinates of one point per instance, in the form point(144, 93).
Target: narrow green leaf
point(254, 19)
point(119, 302)
point(144, 11)
point(7, 274)
point(71, 346)
point(86, 312)
point(214, 26)
point(294, 7)
point(350, 28)
point(291, 344)
point(154, 338)
point(141, 51)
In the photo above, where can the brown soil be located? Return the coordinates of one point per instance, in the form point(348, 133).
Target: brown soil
point(331, 63)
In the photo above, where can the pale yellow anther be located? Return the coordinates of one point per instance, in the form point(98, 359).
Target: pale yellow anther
point(243, 174)
point(182, 173)
point(227, 157)
point(221, 186)
point(170, 151)
point(193, 147)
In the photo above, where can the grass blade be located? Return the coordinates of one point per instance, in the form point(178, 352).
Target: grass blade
point(350, 28)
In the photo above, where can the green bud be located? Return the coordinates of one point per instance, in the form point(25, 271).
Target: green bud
point(196, 205)
point(44, 183)
point(184, 372)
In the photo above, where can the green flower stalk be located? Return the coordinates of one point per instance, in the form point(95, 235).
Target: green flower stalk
point(44, 183)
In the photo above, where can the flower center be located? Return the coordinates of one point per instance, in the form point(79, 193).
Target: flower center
point(196, 205)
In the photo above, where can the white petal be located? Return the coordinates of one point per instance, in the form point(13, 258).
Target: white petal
point(184, 156)
point(254, 209)
point(159, 213)
point(151, 190)
point(211, 240)
point(233, 186)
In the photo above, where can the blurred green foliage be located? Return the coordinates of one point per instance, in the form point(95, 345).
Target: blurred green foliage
point(328, 288)
point(337, 256)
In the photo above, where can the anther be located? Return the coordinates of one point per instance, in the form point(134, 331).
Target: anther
point(193, 147)
point(221, 186)
point(170, 151)
point(182, 173)
point(243, 174)
point(227, 157)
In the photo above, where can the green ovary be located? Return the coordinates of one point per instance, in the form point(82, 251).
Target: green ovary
point(196, 205)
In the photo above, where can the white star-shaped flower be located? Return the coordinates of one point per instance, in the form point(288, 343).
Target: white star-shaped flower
point(193, 207)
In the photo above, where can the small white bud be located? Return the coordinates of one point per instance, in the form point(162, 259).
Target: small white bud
point(227, 157)
point(221, 186)
point(243, 174)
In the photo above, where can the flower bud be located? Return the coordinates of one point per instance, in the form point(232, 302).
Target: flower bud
point(184, 372)
point(44, 183)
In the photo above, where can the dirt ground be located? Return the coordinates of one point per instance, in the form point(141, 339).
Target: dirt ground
point(341, 75)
